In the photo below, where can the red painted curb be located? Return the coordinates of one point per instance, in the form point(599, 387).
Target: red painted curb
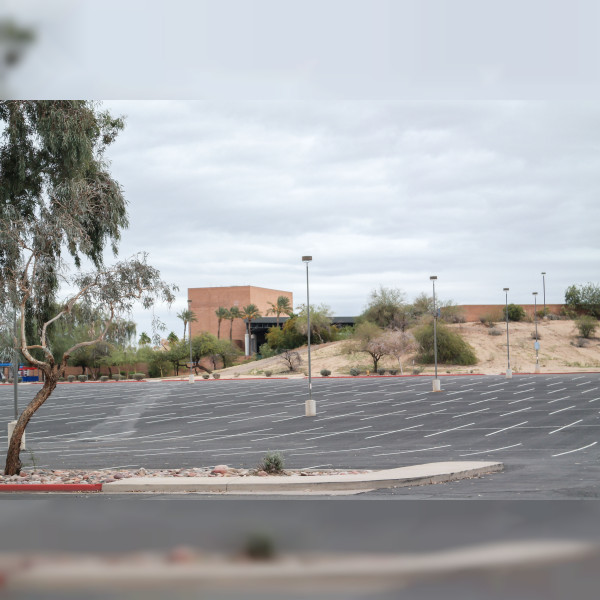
point(51, 487)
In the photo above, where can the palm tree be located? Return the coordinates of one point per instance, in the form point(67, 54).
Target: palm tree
point(222, 313)
point(144, 339)
point(187, 316)
point(250, 313)
point(282, 306)
point(172, 338)
point(234, 313)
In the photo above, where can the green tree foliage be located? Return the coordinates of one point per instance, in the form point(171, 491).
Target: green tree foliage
point(172, 338)
point(144, 339)
point(587, 325)
point(286, 338)
point(515, 312)
point(321, 329)
point(281, 307)
point(584, 299)
point(387, 308)
point(451, 347)
point(250, 313)
point(227, 352)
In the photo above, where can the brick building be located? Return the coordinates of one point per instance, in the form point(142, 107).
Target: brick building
point(205, 301)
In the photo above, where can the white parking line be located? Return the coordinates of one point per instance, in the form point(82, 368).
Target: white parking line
point(565, 426)
point(317, 437)
point(480, 401)
point(447, 430)
point(590, 390)
point(506, 428)
point(521, 400)
point(472, 412)
point(425, 414)
point(410, 451)
point(512, 412)
point(559, 399)
point(382, 415)
point(390, 432)
point(576, 449)
point(493, 450)
point(561, 410)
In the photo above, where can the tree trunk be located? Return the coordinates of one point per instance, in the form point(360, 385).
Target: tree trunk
point(231, 331)
point(13, 463)
point(219, 330)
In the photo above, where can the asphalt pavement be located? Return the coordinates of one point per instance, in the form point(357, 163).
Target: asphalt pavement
point(544, 428)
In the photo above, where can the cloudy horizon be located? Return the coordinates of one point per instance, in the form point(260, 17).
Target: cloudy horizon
point(484, 195)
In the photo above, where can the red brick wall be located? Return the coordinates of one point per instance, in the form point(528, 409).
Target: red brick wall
point(472, 312)
point(205, 301)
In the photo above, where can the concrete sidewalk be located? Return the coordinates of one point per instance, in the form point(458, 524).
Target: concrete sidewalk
point(415, 475)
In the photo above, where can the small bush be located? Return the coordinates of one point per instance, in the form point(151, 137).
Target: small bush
point(216, 375)
point(272, 463)
point(417, 370)
point(587, 326)
point(490, 318)
point(515, 312)
point(325, 372)
point(117, 377)
point(71, 378)
point(61, 379)
point(451, 348)
point(104, 378)
point(237, 375)
point(139, 376)
point(553, 317)
point(82, 377)
point(393, 371)
point(268, 373)
point(580, 342)
point(494, 331)
point(205, 375)
point(534, 336)
point(259, 547)
point(381, 371)
point(354, 372)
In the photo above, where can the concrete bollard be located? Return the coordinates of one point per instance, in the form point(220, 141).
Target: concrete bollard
point(437, 385)
point(508, 373)
point(11, 428)
point(310, 408)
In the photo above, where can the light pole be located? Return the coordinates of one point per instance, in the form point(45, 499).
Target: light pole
point(508, 369)
point(436, 381)
point(544, 284)
point(190, 334)
point(537, 344)
point(310, 408)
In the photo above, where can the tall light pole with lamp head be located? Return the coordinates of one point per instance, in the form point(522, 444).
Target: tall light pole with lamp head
point(310, 408)
point(436, 382)
point(537, 344)
point(190, 334)
point(544, 284)
point(508, 369)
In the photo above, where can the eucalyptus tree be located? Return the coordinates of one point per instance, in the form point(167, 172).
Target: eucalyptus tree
point(58, 200)
point(280, 306)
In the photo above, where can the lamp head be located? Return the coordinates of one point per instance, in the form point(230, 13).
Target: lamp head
point(534, 293)
point(432, 277)
point(505, 289)
point(306, 258)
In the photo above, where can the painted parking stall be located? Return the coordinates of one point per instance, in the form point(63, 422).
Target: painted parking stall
point(376, 422)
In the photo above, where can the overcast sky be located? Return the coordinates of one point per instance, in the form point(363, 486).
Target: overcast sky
point(484, 195)
point(391, 140)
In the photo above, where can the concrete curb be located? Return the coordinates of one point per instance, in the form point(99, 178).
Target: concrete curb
point(400, 477)
point(51, 487)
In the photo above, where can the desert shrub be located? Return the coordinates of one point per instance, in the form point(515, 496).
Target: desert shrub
point(553, 317)
point(104, 378)
point(354, 372)
point(580, 342)
point(325, 372)
point(205, 375)
point(451, 348)
point(381, 371)
point(236, 374)
point(515, 312)
point(393, 371)
point(117, 376)
point(138, 376)
point(268, 373)
point(71, 378)
point(488, 319)
point(272, 462)
point(494, 331)
point(61, 379)
point(586, 326)
point(82, 377)
point(584, 299)
point(417, 370)
point(291, 359)
point(216, 375)
point(267, 351)
point(536, 337)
